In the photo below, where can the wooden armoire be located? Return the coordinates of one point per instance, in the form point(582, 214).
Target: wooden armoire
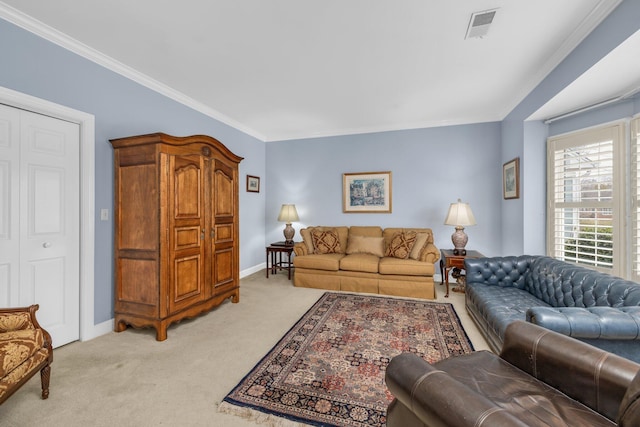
point(176, 229)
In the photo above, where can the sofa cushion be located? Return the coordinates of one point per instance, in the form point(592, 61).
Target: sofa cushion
point(366, 245)
point(418, 246)
point(325, 242)
point(530, 400)
point(401, 244)
point(306, 239)
point(329, 262)
point(406, 267)
point(18, 346)
point(500, 306)
point(360, 262)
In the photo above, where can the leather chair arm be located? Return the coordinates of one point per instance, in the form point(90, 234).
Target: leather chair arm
point(437, 399)
point(500, 271)
point(585, 373)
point(589, 323)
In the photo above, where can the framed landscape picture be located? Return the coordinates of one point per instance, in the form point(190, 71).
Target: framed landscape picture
point(366, 192)
point(511, 179)
point(253, 184)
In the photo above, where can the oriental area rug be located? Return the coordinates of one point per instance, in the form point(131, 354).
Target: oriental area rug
point(328, 370)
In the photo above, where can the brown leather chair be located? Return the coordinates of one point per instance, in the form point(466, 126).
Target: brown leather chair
point(540, 378)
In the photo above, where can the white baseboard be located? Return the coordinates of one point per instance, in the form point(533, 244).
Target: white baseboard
point(249, 271)
point(107, 326)
point(97, 330)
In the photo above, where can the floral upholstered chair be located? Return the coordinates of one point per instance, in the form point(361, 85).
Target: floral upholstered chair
point(25, 349)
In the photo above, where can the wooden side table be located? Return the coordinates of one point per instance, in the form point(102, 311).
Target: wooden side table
point(277, 263)
point(450, 261)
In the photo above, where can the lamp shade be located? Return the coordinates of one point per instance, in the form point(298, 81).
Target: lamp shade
point(288, 214)
point(460, 214)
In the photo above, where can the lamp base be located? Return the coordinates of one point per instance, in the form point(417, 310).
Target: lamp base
point(289, 232)
point(459, 239)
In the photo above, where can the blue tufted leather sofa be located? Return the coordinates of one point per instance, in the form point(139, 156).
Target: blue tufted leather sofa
point(593, 307)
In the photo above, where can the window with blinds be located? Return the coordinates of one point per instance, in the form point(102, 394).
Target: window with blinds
point(585, 192)
point(635, 197)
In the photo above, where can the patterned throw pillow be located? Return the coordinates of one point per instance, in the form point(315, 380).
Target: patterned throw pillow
point(325, 242)
point(401, 245)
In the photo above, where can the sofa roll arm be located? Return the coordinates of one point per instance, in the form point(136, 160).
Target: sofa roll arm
point(437, 399)
point(430, 253)
point(300, 249)
point(592, 376)
point(500, 271)
point(610, 323)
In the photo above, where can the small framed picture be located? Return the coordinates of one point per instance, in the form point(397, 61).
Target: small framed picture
point(366, 192)
point(253, 184)
point(511, 179)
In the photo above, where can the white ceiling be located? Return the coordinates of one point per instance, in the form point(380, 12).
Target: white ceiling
point(284, 69)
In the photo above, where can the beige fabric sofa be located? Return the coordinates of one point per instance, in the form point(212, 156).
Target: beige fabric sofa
point(367, 259)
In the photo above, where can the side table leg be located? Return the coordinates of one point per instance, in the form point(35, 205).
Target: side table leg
point(267, 263)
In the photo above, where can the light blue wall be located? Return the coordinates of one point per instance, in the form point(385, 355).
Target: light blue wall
point(431, 168)
point(521, 229)
point(121, 108)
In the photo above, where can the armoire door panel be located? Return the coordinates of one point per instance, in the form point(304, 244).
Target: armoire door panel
point(187, 237)
point(224, 233)
point(223, 194)
point(187, 282)
point(224, 266)
point(188, 188)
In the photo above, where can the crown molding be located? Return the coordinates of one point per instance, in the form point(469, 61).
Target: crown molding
point(52, 35)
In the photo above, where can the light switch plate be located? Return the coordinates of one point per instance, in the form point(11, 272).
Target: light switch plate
point(104, 215)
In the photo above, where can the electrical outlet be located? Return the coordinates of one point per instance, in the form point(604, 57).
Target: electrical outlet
point(104, 215)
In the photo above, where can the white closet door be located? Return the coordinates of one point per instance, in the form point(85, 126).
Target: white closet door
point(45, 231)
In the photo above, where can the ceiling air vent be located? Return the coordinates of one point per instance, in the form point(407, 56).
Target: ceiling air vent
point(480, 23)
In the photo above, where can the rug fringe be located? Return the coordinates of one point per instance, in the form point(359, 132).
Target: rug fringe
point(257, 416)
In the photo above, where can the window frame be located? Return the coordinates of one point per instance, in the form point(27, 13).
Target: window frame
point(616, 132)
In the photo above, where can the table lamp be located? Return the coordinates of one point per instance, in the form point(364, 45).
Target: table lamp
point(288, 214)
point(459, 216)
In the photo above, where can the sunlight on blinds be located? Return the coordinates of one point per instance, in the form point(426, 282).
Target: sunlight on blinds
point(583, 194)
point(635, 197)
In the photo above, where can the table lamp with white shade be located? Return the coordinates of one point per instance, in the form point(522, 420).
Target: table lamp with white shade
point(460, 216)
point(288, 214)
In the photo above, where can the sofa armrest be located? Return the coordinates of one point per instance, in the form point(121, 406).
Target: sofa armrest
point(430, 254)
point(589, 323)
point(436, 398)
point(585, 373)
point(500, 271)
point(300, 249)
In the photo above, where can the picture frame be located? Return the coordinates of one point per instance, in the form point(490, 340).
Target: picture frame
point(253, 184)
point(511, 179)
point(366, 192)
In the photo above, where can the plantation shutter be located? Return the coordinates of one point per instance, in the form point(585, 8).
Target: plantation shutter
point(635, 197)
point(585, 198)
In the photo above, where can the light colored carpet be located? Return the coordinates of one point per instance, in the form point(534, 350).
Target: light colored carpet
point(130, 379)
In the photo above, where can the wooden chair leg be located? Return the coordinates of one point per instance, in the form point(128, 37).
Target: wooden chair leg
point(45, 375)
